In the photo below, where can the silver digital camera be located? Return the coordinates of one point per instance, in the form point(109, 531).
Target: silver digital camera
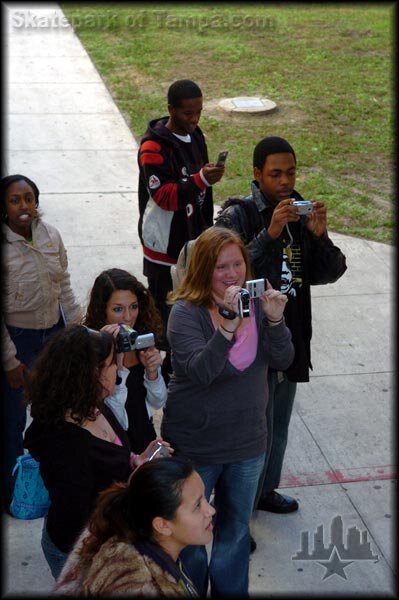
point(304, 207)
point(128, 340)
point(253, 289)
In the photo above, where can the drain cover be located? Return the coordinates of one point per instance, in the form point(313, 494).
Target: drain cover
point(248, 104)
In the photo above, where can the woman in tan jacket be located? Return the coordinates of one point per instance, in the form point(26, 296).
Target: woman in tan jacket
point(37, 301)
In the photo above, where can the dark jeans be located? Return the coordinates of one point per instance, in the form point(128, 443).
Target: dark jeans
point(235, 485)
point(55, 558)
point(278, 415)
point(28, 343)
point(159, 284)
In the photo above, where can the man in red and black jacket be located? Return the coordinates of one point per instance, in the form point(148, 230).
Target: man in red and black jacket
point(175, 193)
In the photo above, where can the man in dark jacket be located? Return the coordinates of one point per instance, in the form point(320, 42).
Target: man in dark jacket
point(175, 193)
point(294, 252)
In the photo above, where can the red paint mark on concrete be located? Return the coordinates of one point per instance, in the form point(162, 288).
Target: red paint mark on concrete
point(292, 481)
point(358, 474)
point(332, 476)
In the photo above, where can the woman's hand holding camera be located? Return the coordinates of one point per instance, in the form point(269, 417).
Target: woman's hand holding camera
point(273, 304)
point(231, 298)
point(114, 329)
point(151, 359)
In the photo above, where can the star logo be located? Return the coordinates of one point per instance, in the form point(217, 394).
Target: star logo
point(337, 555)
point(334, 565)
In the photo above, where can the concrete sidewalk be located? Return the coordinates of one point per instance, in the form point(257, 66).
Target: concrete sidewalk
point(66, 133)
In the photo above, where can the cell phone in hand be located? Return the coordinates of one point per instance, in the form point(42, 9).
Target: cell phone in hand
point(159, 449)
point(222, 158)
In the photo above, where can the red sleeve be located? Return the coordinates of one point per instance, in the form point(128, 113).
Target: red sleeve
point(169, 190)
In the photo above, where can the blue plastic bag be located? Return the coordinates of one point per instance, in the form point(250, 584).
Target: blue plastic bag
point(30, 499)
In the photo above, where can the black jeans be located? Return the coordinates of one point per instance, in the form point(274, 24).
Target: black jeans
point(160, 284)
point(278, 414)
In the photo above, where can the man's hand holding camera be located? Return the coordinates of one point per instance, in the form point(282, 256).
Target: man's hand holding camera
point(286, 212)
point(316, 221)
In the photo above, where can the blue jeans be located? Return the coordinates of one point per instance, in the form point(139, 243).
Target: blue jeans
point(278, 415)
point(235, 486)
point(28, 343)
point(56, 558)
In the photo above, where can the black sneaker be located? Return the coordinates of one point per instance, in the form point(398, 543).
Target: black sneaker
point(277, 503)
point(252, 545)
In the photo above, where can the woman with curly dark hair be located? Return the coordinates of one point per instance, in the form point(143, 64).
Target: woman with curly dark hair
point(76, 438)
point(118, 298)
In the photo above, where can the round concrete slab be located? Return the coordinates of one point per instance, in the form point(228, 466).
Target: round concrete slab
point(248, 104)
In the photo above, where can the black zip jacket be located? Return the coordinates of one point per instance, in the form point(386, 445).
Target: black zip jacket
point(322, 262)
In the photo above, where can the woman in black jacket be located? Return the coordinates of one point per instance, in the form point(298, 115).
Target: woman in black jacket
point(78, 441)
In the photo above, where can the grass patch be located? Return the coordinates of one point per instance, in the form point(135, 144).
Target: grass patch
point(328, 67)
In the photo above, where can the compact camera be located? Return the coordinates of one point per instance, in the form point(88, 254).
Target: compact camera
point(304, 207)
point(159, 449)
point(253, 289)
point(128, 339)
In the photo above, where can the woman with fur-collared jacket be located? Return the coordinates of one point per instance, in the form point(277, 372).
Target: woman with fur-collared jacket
point(133, 540)
point(37, 300)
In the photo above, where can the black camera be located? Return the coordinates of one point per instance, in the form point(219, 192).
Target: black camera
point(128, 340)
point(244, 302)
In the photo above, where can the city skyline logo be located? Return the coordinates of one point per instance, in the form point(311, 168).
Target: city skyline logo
point(336, 556)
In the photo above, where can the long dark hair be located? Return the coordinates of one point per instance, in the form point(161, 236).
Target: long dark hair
point(126, 510)
point(65, 376)
point(112, 280)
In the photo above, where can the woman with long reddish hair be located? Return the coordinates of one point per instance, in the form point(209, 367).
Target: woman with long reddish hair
point(215, 413)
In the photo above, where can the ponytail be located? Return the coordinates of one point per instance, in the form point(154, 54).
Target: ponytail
point(108, 519)
point(126, 510)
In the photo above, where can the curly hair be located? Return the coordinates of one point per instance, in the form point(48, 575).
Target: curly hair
point(66, 375)
point(126, 510)
point(195, 287)
point(148, 320)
